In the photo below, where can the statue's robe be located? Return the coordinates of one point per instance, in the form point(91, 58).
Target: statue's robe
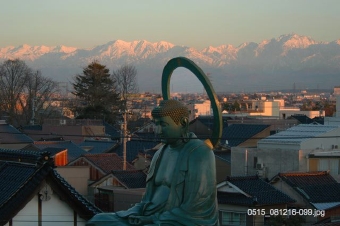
point(192, 198)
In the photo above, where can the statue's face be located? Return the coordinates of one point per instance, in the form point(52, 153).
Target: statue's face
point(168, 130)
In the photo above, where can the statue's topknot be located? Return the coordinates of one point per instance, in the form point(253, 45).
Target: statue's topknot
point(173, 108)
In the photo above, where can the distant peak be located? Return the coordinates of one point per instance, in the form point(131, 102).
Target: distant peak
point(25, 46)
point(65, 49)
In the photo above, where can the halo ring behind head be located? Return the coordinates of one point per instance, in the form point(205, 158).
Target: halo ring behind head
point(190, 65)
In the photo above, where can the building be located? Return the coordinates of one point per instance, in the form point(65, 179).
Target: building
point(316, 191)
point(109, 190)
point(247, 200)
point(285, 151)
point(12, 138)
point(33, 193)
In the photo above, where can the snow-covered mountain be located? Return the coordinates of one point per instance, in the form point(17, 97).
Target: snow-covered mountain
point(275, 63)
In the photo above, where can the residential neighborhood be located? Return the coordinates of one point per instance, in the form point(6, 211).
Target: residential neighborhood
point(274, 155)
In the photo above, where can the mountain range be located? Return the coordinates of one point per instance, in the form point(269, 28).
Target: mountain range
point(277, 63)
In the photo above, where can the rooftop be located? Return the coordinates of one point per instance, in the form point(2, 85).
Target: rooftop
point(315, 187)
point(21, 179)
point(298, 134)
point(250, 191)
point(107, 162)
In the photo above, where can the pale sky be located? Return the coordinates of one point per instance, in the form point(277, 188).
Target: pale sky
point(194, 23)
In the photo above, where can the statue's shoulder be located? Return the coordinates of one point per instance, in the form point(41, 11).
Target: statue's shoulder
point(195, 141)
point(197, 146)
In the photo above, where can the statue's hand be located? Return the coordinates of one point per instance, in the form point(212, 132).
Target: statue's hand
point(139, 220)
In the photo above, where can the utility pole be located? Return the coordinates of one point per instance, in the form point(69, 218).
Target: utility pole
point(124, 139)
point(33, 111)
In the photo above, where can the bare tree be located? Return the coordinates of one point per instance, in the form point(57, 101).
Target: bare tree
point(126, 80)
point(24, 93)
point(125, 76)
point(39, 95)
point(13, 78)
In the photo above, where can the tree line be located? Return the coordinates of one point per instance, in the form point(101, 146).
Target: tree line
point(27, 96)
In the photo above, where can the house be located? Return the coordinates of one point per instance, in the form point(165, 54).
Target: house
point(12, 138)
point(303, 119)
point(100, 164)
point(108, 190)
point(223, 164)
point(59, 155)
point(276, 125)
point(317, 191)
point(33, 193)
point(284, 151)
point(247, 200)
point(75, 130)
point(73, 150)
point(134, 146)
point(302, 137)
point(331, 218)
point(203, 126)
point(98, 146)
point(244, 135)
point(321, 160)
point(112, 131)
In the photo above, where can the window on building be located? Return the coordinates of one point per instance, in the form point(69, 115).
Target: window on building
point(232, 218)
point(255, 162)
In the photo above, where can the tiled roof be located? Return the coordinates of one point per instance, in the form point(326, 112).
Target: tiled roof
point(151, 136)
point(307, 178)
point(21, 180)
point(32, 127)
point(224, 155)
point(19, 183)
point(10, 135)
point(73, 150)
point(236, 134)
point(303, 119)
point(131, 179)
point(328, 222)
point(21, 156)
point(139, 123)
point(320, 120)
point(53, 151)
point(316, 187)
point(134, 146)
point(107, 162)
point(98, 146)
point(298, 134)
point(259, 191)
point(112, 131)
point(208, 121)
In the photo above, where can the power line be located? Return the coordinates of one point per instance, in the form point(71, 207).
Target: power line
point(193, 138)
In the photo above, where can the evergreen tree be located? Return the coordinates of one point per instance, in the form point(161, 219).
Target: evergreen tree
point(96, 88)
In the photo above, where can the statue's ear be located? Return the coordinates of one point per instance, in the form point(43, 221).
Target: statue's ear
point(184, 121)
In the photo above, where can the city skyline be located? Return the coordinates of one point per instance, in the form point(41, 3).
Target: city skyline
point(198, 24)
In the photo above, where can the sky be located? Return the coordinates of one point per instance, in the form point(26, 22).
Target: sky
point(194, 23)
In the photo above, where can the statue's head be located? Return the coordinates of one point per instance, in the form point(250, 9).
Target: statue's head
point(172, 121)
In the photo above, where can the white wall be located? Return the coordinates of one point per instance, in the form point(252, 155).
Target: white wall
point(28, 216)
point(55, 212)
point(275, 161)
point(203, 108)
point(324, 141)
